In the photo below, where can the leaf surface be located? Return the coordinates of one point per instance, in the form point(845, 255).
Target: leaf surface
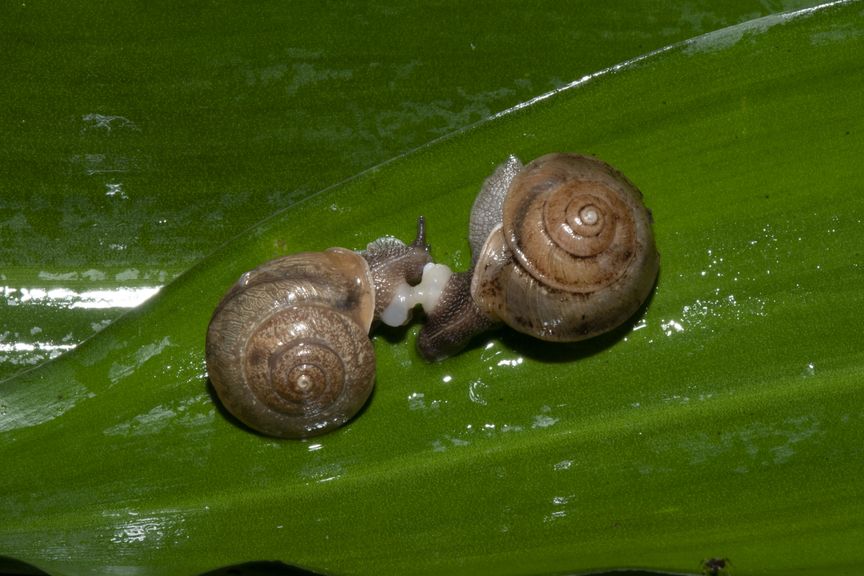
point(725, 421)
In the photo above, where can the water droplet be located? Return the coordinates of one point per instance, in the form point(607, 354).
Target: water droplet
point(476, 390)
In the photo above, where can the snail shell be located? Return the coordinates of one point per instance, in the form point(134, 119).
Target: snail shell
point(562, 250)
point(287, 348)
point(574, 255)
point(288, 351)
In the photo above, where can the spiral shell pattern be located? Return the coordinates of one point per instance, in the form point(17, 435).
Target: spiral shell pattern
point(575, 254)
point(288, 350)
point(571, 222)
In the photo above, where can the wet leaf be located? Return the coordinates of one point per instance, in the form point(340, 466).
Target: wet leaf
point(724, 422)
point(138, 140)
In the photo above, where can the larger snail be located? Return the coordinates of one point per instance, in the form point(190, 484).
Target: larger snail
point(562, 250)
point(287, 349)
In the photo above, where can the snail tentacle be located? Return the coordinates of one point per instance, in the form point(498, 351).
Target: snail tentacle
point(393, 263)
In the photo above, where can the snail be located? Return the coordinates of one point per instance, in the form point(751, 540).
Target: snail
point(288, 351)
point(562, 250)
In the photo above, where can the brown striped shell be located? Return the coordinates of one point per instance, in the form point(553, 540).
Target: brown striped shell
point(572, 255)
point(287, 348)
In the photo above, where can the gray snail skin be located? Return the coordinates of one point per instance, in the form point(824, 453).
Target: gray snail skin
point(562, 250)
point(288, 349)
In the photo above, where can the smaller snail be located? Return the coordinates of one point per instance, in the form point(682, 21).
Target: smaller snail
point(287, 348)
point(562, 250)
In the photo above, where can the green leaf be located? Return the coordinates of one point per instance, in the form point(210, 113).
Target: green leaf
point(725, 422)
point(138, 139)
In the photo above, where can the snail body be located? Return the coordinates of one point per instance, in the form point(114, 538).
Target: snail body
point(562, 250)
point(287, 349)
